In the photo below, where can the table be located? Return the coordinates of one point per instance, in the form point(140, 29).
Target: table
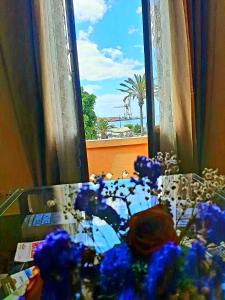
point(27, 215)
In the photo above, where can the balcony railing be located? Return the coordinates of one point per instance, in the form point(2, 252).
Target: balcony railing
point(115, 156)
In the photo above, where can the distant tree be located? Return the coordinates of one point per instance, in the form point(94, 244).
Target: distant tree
point(136, 129)
point(102, 128)
point(90, 119)
point(130, 126)
point(135, 89)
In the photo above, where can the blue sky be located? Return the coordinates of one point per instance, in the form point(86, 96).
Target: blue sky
point(110, 49)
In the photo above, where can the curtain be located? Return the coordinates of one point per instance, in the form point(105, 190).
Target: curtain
point(197, 30)
point(42, 137)
point(190, 64)
point(173, 74)
point(183, 100)
point(214, 126)
point(162, 73)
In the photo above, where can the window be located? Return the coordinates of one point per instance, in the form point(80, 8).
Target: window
point(110, 51)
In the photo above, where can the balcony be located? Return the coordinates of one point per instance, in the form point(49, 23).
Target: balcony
point(115, 156)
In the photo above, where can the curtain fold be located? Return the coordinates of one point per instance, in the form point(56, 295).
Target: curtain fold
point(183, 100)
point(37, 86)
point(63, 131)
point(214, 124)
point(21, 95)
point(205, 32)
point(197, 90)
point(163, 73)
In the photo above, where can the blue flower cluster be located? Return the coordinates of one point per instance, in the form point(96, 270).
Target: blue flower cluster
point(128, 294)
point(163, 262)
point(213, 219)
point(57, 258)
point(115, 269)
point(193, 259)
point(148, 168)
point(92, 202)
point(101, 186)
point(194, 269)
point(87, 200)
point(219, 267)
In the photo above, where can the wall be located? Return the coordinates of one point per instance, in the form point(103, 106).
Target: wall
point(14, 170)
point(115, 155)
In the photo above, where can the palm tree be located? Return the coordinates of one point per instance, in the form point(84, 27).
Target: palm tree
point(135, 89)
point(102, 127)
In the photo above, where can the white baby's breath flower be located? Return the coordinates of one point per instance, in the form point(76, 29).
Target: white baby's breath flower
point(208, 196)
point(125, 174)
point(109, 176)
point(92, 177)
point(51, 203)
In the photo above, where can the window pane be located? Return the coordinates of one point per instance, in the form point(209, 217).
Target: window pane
point(110, 50)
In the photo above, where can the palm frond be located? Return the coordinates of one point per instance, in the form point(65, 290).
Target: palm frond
point(125, 85)
point(124, 91)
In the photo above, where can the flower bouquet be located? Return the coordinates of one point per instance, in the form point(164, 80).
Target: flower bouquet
point(170, 248)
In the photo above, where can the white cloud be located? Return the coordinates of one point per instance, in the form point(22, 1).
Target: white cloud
point(139, 10)
point(92, 88)
point(132, 30)
point(84, 35)
point(112, 52)
point(90, 10)
point(106, 101)
point(107, 63)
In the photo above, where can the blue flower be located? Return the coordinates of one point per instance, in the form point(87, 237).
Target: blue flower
point(57, 258)
point(148, 168)
point(193, 259)
point(194, 265)
point(101, 184)
point(115, 269)
point(93, 203)
point(163, 262)
point(213, 219)
point(128, 294)
point(195, 269)
point(86, 199)
point(89, 200)
point(219, 266)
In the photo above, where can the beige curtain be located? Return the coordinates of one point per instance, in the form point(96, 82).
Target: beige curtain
point(64, 143)
point(197, 30)
point(214, 130)
point(41, 141)
point(190, 44)
point(163, 72)
point(174, 79)
point(182, 93)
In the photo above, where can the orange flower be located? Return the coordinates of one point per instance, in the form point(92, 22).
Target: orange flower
point(149, 230)
point(34, 288)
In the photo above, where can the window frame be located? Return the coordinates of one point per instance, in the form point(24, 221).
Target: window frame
point(147, 41)
point(150, 103)
point(76, 86)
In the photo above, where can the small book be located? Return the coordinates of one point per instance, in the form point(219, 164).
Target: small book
point(37, 226)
